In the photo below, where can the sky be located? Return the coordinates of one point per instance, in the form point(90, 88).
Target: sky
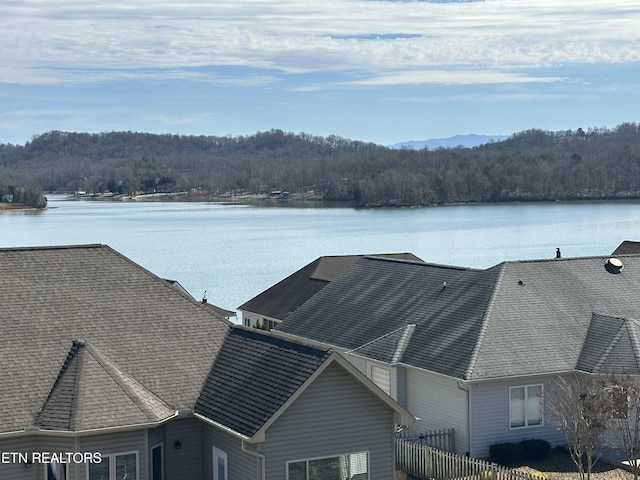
point(383, 71)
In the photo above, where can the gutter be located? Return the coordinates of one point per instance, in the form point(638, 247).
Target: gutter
point(221, 427)
point(82, 433)
point(466, 387)
point(262, 470)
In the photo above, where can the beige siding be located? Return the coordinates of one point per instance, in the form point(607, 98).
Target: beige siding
point(335, 415)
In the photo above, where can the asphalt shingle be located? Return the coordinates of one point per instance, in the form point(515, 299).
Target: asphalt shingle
point(516, 318)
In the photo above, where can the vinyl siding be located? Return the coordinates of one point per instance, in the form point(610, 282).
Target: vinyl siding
point(125, 442)
point(334, 416)
point(397, 375)
point(439, 403)
point(184, 463)
point(490, 416)
point(241, 465)
point(156, 436)
point(33, 443)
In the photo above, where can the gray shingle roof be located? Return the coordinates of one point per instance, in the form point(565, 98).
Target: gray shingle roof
point(51, 296)
point(254, 374)
point(90, 389)
point(612, 345)
point(288, 294)
point(517, 318)
point(92, 340)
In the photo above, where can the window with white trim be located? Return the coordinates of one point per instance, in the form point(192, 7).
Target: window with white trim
point(117, 466)
point(219, 464)
point(382, 378)
point(354, 466)
point(525, 406)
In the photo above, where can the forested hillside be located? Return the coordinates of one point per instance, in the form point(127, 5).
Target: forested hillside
point(596, 163)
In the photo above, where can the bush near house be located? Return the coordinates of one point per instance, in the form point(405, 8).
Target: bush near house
point(510, 453)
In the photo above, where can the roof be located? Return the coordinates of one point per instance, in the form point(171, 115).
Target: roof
point(92, 341)
point(265, 373)
point(627, 248)
point(285, 296)
point(258, 371)
point(516, 318)
point(53, 296)
point(89, 388)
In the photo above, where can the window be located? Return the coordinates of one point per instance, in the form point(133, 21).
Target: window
point(56, 471)
point(525, 406)
point(120, 466)
point(344, 467)
point(219, 464)
point(382, 378)
point(157, 464)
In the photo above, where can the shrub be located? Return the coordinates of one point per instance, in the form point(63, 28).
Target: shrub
point(507, 453)
point(510, 453)
point(536, 449)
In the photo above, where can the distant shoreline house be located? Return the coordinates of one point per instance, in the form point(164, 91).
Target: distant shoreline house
point(103, 359)
point(476, 349)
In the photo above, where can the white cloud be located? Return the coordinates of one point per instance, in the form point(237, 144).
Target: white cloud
point(64, 41)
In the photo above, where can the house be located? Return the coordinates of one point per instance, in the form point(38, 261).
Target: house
point(627, 247)
point(269, 308)
point(110, 372)
point(476, 349)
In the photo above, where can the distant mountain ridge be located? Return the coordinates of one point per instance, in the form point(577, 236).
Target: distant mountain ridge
point(467, 141)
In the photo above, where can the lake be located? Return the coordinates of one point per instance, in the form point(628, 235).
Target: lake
point(233, 252)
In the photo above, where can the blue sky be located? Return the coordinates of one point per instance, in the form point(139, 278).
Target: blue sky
point(374, 70)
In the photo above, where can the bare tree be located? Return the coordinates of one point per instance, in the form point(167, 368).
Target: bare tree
point(624, 395)
point(581, 410)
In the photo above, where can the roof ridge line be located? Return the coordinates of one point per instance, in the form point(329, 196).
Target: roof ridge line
point(403, 343)
point(121, 378)
point(485, 321)
point(633, 337)
point(73, 353)
point(614, 341)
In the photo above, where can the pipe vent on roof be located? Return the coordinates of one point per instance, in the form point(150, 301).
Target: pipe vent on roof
point(614, 265)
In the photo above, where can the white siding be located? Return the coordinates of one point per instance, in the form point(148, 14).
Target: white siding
point(336, 415)
point(440, 404)
point(490, 417)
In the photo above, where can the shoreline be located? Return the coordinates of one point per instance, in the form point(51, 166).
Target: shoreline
point(11, 207)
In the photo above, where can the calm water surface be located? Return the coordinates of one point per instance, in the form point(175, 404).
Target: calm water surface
point(234, 252)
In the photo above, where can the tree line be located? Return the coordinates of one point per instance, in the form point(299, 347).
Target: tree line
point(532, 165)
point(28, 196)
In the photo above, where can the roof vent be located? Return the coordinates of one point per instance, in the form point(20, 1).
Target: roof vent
point(614, 265)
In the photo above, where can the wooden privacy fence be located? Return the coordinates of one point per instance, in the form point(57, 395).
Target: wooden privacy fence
point(425, 462)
